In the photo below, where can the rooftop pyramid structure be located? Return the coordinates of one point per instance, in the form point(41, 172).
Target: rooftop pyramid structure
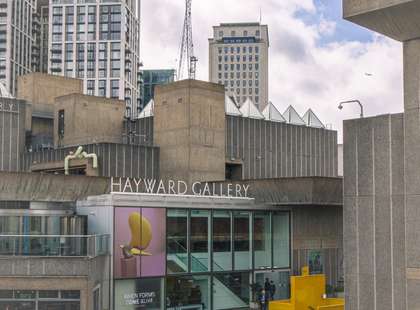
point(292, 117)
point(312, 120)
point(4, 93)
point(230, 107)
point(148, 110)
point(272, 114)
point(248, 109)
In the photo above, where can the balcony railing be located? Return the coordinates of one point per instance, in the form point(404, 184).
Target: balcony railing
point(54, 245)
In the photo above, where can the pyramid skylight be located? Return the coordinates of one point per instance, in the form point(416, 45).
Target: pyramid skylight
point(231, 108)
point(148, 110)
point(312, 120)
point(272, 114)
point(292, 117)
point(248, 109)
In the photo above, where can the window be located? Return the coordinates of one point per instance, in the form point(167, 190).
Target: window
point(245, 33)
point(221, 34)
point(233, 33)
point(222, 251)
point(250, 49)
point(257, 33)
point(232, 50)
point(220, 50)
point(200, 238)
point(177, 240)
point(115, 89)
point(90, 87)
point(257, 50)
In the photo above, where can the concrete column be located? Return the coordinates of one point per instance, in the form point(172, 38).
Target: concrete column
point(412, 169)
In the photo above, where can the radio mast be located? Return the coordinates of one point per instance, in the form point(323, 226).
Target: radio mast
point(187, 46)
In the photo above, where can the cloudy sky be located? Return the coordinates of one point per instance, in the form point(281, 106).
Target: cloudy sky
point(316, 58)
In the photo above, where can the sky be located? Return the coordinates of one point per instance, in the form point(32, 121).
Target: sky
point(317, 59)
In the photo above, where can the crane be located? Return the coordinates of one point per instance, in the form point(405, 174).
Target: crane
point(187, 46)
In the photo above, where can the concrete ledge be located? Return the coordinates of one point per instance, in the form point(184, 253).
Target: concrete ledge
point(46, 187)
point(397, 19)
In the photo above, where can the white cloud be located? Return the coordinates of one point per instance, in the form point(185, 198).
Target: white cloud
point(303, 72)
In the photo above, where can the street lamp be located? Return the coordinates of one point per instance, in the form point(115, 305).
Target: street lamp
point(352, 101)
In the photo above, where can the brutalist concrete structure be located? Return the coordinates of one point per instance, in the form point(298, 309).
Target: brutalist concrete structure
point(12, 132)
point(382, 177)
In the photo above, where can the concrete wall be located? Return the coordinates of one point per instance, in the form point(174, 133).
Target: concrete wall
point(374, 226)
point(394, 18)
point(319, 228)
point(273, 150)
point(142, 130)
point(41, 90)
point(12, 132)
point(113, 159)
point(88, 119)
point(189, 128)
point(82, 274)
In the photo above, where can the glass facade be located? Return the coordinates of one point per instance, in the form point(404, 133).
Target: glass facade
point(151, 78)
point(217, 259)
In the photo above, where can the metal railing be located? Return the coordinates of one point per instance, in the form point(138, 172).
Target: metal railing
point(54, 245)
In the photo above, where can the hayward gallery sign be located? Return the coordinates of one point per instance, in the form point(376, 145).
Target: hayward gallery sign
point(171, 187)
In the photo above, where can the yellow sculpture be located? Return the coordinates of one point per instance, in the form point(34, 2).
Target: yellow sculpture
point(307, 292)
point(141, 236)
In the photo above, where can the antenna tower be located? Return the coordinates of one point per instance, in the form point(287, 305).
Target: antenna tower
point(187, 46)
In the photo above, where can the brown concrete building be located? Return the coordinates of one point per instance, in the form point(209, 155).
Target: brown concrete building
point(189, 128)
point(81, 119)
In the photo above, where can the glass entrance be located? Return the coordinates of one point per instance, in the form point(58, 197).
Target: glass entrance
point(276, 283)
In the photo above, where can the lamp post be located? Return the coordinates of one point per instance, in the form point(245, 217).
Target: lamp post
point(340, 106)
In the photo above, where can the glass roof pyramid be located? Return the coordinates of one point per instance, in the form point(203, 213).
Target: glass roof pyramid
point(272, 114)
point(312, 120)
point(292, 117)
point(4, 93)
point(230, 107)
point(248, 109)
point(148, 110)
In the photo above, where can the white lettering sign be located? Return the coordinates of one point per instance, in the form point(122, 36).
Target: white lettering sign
point(171, 187)
point(7, 106)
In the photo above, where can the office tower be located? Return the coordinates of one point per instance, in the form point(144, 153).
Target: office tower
point(18, 51)
point(238, 56)
point(42, 38)
point(151, 78)
point(98, 42)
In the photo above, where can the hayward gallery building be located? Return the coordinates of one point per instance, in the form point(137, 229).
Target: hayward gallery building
point(192, 206)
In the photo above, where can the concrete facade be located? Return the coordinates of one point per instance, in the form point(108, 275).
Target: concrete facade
point(382, 183)
point(41, 90)
point(265, 149)
point(374, 229)
point(88, 119)
point(113, 159)
point(12, 132)
point(268, 149)
point(189, 128)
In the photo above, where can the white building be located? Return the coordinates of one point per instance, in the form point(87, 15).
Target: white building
point(238, 56)
point(18, 51)
point(97, 41)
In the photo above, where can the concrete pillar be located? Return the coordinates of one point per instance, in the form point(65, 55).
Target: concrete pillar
point(412, 169)
point(397, 19)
